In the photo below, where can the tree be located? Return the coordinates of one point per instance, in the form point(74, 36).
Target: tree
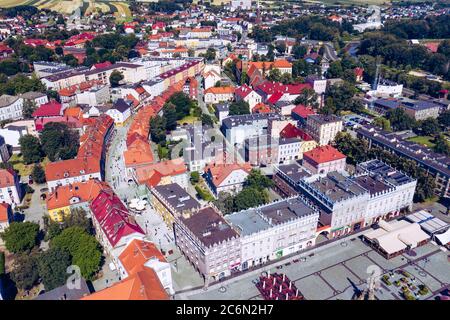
point(59, 142)
point(30, 148)
point(170, 115)
point(225, 202)
point(207, 120)
point(341, 96)
point(250, 197)
point(83, 248)
point(70, 60)
point(257, 180)
point(442, 145)
point(29, 106)
point(158, 129)
point(274, 75)
point(195, 177)
point(240, 107)
point(429, 127)
point(25, 272)
point(115, 78)
point(52, 267)
point(78, 218)
point(280, 46)
point(335, 70)
point(400, 120)
point(307, 97)
point(210, 54)
point(444, 119)
point(21, 236)
point(383, 123)
point(299, 51)
point(183, 104)
point(38, 174)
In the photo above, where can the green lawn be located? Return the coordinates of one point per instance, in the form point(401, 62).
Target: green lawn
point(423, 140)
point(188, 119)
point(23, 169)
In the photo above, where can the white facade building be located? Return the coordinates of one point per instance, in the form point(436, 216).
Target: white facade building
point(275, 230)
point(10, 107)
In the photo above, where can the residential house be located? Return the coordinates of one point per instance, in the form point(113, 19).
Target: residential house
point(10, 189)
point(324, 159)
point(219, 94)
point(226, 177)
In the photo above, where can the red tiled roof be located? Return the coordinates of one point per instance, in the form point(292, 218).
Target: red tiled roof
point(113, 217)
point(49, 109)
point(243, 91)
point(323, 154)
point(291, 131)
point(269, 87)
point(275, 97)
point(303, 111)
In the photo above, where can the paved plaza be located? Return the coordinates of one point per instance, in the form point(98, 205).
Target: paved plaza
point(340, 270)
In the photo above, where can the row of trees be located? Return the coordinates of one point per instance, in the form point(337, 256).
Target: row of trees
point(357, 150)
point(253, 194)
point(71, 243)
point(432, 27)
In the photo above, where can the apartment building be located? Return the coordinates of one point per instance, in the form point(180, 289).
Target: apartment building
point(219, 94)
point(323, 128)
point(209, 243)
point(171, 201)
point(10, 107)
point(435, 164)
point(272, 231)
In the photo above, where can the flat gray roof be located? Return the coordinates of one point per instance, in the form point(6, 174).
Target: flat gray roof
point(256, 219)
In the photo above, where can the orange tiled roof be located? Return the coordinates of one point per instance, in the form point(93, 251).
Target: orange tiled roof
point(220, 90)
point(138, 153)
point(75, 112)
point(220, 172)
point(143, 285)
point(71, 168)
point(4, 209)
point(85, 191)
point(160, 169)
point(6, 178)
point(137, 253)
point(267, 65)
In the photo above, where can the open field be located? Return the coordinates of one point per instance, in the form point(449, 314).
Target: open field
point(120, 9)
point(123, 11)
point(94, 6)
point(13, 3)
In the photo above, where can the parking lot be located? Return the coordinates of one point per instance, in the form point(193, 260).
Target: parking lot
point(352, 120)
point(340, 270)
